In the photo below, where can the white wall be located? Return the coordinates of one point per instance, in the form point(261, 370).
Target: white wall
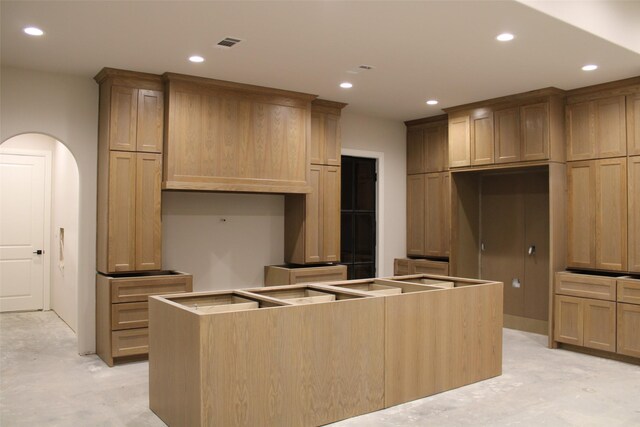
point(224, 240)
point(388, 137)
point(64, 213)
point(66, 108)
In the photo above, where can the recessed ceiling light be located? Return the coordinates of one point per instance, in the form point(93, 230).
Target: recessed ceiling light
point(196, 58)
point(505, 37)
point(590, 67)
point(346, 85)
point(432, 102)
point(33, 31)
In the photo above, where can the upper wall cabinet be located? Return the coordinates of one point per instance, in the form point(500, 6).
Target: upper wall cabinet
point(325, 132)
point(596, 129)
point(519, 128)
point(223, 136)
point(427, 145)
point(134, 110)
point(633, 124)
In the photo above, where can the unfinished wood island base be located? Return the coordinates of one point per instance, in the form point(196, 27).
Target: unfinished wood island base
point(312, 354)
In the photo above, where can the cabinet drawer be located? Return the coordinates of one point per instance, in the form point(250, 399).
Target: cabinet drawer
point(425, 266)
point(584, 285)
point(130, 342)
point(629, 291)
point(318, 274)
point(129, 315)
point(138, 289)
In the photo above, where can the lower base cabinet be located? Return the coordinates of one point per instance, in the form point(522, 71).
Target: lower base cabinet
point(122, 313)
point(276, 275)
point(586, 322)
point(629, 329)
point(402, 266)
point(293, 359)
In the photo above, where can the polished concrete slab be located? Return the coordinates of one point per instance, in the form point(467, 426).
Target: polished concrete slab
point(44, 382)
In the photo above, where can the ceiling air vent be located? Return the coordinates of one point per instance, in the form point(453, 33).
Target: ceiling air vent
point(228, 42)
point(366, 67)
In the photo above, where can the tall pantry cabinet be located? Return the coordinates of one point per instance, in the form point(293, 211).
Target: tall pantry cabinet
point(312, 220)
point(129, 171)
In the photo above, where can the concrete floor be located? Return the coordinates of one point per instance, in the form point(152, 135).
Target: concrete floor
point(44, 382)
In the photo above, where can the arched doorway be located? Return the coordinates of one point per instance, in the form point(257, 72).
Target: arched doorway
point(60, 227)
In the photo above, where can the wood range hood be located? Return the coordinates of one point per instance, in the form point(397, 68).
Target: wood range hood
point(233, 137)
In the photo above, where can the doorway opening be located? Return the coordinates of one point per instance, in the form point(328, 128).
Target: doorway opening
point(358, 216)
point(40, 231)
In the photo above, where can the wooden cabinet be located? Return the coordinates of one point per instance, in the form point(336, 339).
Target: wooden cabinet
point(596, 128)
point(325, 132)
point(522, 133)
point(404, 266)
point(628, 329)
point(459, 141)
point(597, 217)
point(599, 324)
point(633, 124)
point(427, 144)
point(428, 211)
point(122, 315)
point(312, 221)
point(634, 214)
point(130, 239)
point(415, 214)
point(400, 267)
point(275, 275)
point(569, 320)
point(224, 136)
point(481, 137)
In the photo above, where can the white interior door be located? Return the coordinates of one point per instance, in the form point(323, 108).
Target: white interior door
point(22, 232)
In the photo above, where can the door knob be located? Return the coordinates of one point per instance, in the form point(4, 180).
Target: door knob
point(532, 250)
point(38, 252)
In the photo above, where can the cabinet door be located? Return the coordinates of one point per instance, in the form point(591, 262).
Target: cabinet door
point(599, 324)
point(581, 137)
point(330, 214)
point(446, 213)
point(581, 215)
point(633, 124)
point(415, 214)
point(459, 143)
point(611, 214)
point(317, 138)
point(482, 137)
point(628, 327)
point(534, 121)
point(148, 208)
point(150, 121)
point(123, 118)
point(313, 216)
point(332, 145)
point(122, 212)
point(415, 151)
point(568, 320)
point(433, 220)
point(435, 148)
point(634, 214)
point(611, 132)
point(507, 135)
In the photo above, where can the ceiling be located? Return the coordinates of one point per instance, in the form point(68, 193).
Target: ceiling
point(419, 50)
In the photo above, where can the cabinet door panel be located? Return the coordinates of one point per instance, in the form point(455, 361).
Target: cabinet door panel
point(415, 214)
point(568, 320)
point(581, 223)
point(611, 214)
point(123, 118)
point(435, 141)
point(507, 135)
point(148, 208)
point(122, 211)
point(634, 214)
point(150, 121)
point(415, 151)
point(628, 327)
point(317, 138)
point(633, 124)
point(433, 215)
point(611, 133)
point(446, 213)
point(535, 131)
point(331, 214)
point(599, 324)
point(313, 216)
point(459, 142)
point(332, 140)
point(482, 138)
point(581, 138)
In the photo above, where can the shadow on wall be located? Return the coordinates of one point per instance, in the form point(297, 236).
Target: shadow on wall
point(223, 239)
point(62, 233)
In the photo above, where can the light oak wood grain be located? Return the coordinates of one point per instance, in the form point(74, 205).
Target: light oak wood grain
point(610, 126)
point(581, 214)
point(569, 320)
point(275, 275)
point(628, 323)
point(150, 121)
point(507, 135)
point(628, 290)
point(633, 187)
point(481, 137)
point(581, 133)
point(459, 141)
point(633, 124)
point(586, 286)
point(121, 228)
point(123, 118)
point(148, 228)
point(535, 136)
point(599, 325)
point(415, 151)
point(611, 214)
point(415, 214)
